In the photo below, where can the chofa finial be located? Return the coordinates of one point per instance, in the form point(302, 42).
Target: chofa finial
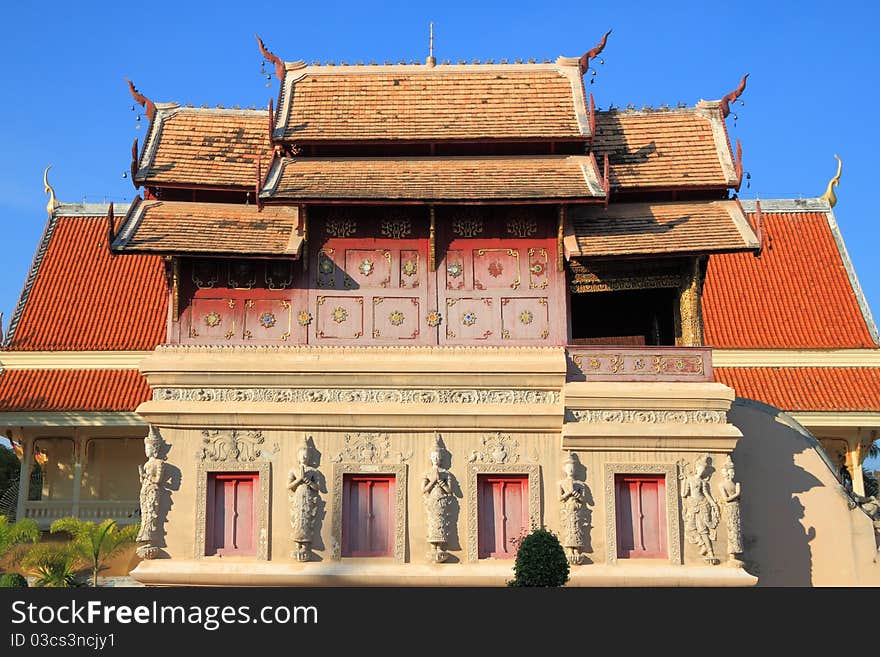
point(148, 105)
point(53, 203)
point(829, 194)
point(732, 96)
point(275, 59)
point(584, 61)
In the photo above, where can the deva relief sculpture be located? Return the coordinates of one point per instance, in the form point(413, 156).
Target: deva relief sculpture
point(304, 485)
point(437, 489)
point(701, 513)
point(153, 478)
point(573, 499)
point(730, 494)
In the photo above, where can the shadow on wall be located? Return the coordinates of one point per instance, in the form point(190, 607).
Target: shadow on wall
point(775, 538)
point(790, 496)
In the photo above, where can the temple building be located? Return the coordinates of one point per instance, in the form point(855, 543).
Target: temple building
point(374, 333)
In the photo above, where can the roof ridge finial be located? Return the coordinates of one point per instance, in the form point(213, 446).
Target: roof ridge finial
point(275, 59)
point(53, 203)
point(829, 194)
point(732, 96)
point(431, 61)
point(584, 61)
point(148, 105)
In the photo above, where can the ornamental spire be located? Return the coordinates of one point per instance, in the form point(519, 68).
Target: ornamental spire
point(829, 194)
point(53, 202)
point(732, 96)
point(275, 59)
point(584, 61)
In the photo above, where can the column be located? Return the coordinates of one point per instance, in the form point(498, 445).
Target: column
point(78, 450)
point(858, 477)
point(24, 476)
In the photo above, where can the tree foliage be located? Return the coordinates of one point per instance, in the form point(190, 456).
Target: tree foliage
point(95, 544)
point(16, 533)
point(13, 581)
point(540, 561)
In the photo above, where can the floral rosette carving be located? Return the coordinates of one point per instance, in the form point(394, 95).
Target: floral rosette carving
point(339, 314)
point(469, 318)
point(267, 320)
point(304, 318)
point(396, 318)
point(434, 319)
point(212, 319)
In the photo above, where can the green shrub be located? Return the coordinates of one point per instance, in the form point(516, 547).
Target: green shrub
point(540, 561)
point(13, 581)
point(54, 565)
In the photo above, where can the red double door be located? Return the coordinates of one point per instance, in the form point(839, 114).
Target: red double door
point(641, 516)
point(232, 513)
point(503, 513)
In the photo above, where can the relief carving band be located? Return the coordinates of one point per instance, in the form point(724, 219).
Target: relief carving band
point(730, 494)
point(437, 489)
point(304, 485)
point(152, 478)
point(701, 510)
point(572, 509)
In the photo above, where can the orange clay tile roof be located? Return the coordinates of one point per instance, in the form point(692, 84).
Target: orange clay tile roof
point(435, 178)
point(665, 149)
point(660, 228)
point(797, 295)
point(211, 147)
point(369, 103)
point(72, 390)
point(184, 227)
point(806, 388)
point(80, 297)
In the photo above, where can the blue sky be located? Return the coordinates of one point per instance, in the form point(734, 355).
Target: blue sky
point(811, 92)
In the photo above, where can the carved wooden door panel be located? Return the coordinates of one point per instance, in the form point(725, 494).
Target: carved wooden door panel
point(368, 516)
point(503, 514)
point(497, 281)
point(371, 290)
point(641, 516)
point(231, 513)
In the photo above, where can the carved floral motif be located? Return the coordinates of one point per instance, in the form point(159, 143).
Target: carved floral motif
point(526, 317)
point(366, 267)
point(304, 318)
point(339, 314)
point(395, 228)
point(434, 318)
point(454, 269)
point(497, 448)
point(409, 268)
point(649, 416)
point(340, 227)
point(267, 320)
point(469, 318)
point(232, 445)
point(396, 318)
point(495, 269)
point(522, 227)
point(467, 226)
point(212, 319)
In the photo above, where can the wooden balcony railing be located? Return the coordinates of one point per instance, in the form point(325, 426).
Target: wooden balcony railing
point(614, 363)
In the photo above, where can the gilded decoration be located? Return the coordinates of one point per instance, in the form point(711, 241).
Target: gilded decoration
point(673, 516)
point(366, 267)
point(339, 314)
point(434, 319)
point(522, 227)
point(395, 229)
point(409, 268)
point(678, 364)
point(495, 269)
point(526, 317)
point(337, 227)
point(304, 318)
point(267, 320)
point(590, 276)
point(469, 318)
point(454, 269)
point(212, 319)
point(231, 445)
point(360, 395)
point(474, 470)
point(325, 264)
point(701, 512)
point(263, 469)
point(538, 268)
point(496, 448)
point(467, 227)
point(396, 318)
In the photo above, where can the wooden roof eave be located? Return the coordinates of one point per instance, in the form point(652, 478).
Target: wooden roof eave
point(269, 200)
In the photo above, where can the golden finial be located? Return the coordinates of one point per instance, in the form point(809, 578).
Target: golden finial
point(431, 61)
point(53, 202)
point(829, 194)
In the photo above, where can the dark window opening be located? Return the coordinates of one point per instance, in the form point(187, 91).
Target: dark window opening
point(630, 317)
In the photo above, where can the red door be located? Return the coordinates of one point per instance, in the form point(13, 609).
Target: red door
point(503, 514)
point(368, 516)
point(231, 514)
point(641, 516)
